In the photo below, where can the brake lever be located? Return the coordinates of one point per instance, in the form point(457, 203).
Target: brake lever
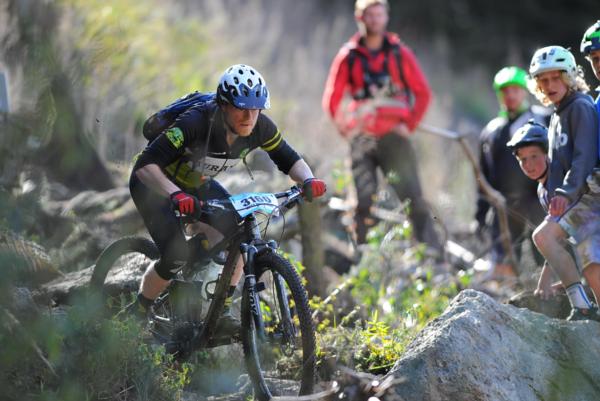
point(298, 199)
point(214, 205)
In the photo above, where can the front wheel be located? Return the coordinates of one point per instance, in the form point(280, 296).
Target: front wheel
point(287, 344)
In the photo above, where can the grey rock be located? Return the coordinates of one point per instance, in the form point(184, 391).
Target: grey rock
point(556, 307)
point(93, 202)
point(64, 289)
point(22, 303)
point(481, 350)
point(124, 277)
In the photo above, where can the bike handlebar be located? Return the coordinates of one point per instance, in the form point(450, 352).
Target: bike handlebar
point(213, 206)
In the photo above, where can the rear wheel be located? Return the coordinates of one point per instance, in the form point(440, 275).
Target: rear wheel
point(288, 345)
point(137, 248)
point(176, 313)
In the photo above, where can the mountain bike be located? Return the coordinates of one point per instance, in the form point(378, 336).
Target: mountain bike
point(275, 315)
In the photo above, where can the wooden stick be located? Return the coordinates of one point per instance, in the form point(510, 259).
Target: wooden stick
point(493, 196)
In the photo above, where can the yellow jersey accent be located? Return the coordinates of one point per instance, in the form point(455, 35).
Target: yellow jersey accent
point(273, 142)
point(186, 176)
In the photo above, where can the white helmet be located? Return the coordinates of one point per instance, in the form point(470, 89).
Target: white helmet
point(242, 86)
point(552, 58)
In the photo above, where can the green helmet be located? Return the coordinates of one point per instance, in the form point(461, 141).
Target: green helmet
point(510, 76)
point(591, 39)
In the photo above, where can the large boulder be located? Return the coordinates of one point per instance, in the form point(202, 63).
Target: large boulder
point(481, 350)
point(124, 277)
point(557, 306)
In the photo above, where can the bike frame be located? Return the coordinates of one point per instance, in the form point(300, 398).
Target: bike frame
point(248, 242)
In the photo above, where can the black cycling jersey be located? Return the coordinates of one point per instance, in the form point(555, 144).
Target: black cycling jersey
point(195, 147)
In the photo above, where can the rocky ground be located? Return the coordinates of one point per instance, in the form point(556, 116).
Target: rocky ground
point(484, 347)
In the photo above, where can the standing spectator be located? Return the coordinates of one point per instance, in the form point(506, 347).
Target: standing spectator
point(530, 147)
point(502, 171)
point(573, 153)
point(590, 47)
point(374, 65)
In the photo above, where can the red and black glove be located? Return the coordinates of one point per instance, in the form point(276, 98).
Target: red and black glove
point(313, 188)
point(185, 203)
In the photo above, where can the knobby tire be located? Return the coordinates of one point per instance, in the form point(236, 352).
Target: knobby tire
point(114, 251)
point(250, 342)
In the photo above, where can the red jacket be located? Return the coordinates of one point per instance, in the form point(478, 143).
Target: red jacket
point(381, 120)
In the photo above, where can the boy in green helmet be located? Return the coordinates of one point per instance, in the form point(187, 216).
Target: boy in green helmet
point(590, 48)
point(501, 170)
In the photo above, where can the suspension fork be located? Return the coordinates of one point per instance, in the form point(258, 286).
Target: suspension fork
point(249, 252)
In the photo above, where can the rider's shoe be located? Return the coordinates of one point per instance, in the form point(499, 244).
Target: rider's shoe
point(227, 324)
point(584, 314)
point(135, 310)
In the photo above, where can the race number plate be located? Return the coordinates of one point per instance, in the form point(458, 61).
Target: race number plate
point(248, 203)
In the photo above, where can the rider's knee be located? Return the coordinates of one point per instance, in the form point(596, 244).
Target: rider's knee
point(543, 237)
point(167, 269)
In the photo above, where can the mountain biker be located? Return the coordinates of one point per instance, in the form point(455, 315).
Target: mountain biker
point(502, 172)
point(573, 209)
point(375, 64)
point(181, 165)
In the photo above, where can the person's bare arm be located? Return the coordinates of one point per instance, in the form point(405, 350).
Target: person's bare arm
point(546, 288)
point(153, 177)
point(300, 172)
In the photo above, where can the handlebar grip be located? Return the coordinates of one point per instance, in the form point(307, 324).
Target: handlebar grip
point(197, 213)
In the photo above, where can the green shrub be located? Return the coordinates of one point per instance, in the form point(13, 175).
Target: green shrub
point(395, 285)
point(83, 356)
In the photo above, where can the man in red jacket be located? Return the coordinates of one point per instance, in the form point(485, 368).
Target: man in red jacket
point(389, 98)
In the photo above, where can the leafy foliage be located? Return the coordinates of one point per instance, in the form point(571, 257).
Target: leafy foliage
point(395, 284)
point(81, 356)
point(143, 45)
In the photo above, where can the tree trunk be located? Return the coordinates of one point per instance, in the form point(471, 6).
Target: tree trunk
point(69, 157)
point(312, 248)
point(53, 135)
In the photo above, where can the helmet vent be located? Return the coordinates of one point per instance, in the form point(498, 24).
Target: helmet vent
point(243, 87)
point(560, 59)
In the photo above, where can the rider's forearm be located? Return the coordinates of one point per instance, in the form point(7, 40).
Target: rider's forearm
point(300, 171)
point(153, 177)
